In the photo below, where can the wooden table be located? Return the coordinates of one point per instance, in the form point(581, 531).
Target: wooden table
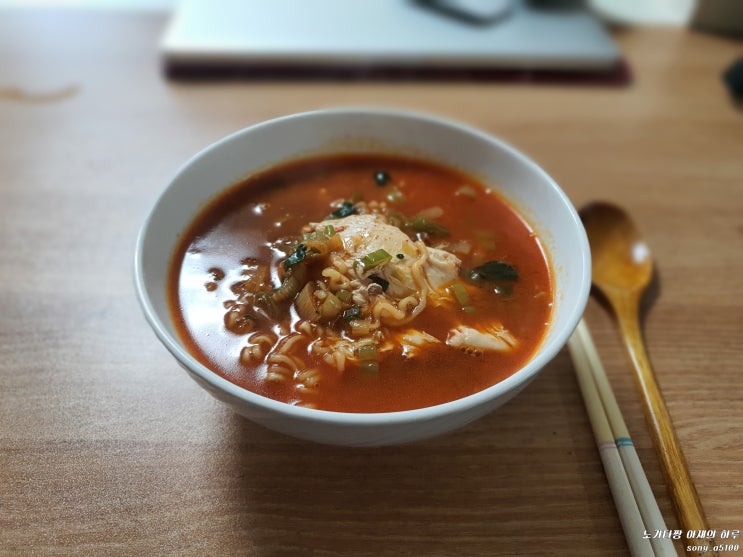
point(107, 447)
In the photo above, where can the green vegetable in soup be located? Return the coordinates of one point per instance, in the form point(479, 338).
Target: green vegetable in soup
point(297, 257)
point(346, 209)
point(385, 284)
point(422, 224)
point(354, 312)
point(495, 271)
point(368, 357)
point(374, 259)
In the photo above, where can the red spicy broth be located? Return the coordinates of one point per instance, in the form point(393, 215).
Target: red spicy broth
point(237, 253)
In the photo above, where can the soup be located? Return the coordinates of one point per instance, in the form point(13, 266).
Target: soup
point(361, 283)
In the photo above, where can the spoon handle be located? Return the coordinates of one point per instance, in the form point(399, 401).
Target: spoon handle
point(678, 480)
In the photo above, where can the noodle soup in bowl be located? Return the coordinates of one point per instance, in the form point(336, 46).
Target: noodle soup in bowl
point(362, 277)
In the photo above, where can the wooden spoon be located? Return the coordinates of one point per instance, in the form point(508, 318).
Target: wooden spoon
point(622, 269)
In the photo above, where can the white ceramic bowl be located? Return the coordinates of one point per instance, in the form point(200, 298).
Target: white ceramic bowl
point(529, 189)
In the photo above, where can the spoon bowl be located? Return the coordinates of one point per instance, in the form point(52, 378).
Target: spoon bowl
point(621, 258)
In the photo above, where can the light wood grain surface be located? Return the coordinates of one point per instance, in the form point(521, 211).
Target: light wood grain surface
point(108, 448)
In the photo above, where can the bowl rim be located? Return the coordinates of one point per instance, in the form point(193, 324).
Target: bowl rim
point(518, 379)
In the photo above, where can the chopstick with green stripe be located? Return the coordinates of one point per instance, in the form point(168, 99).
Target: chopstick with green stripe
point(623, 468)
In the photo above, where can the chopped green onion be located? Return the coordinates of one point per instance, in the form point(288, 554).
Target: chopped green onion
point(385, 284)
point(460, 293)
point(381, 178)
point(344, 296)
point(422, 224)
point(347, 208)
point(374, 259)
point(297, 257)
point(367, 354)
point(322, 235)
point(354, 312)
point(331, 306)
point(320, 242)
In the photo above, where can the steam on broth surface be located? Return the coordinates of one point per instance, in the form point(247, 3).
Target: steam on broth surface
point(361, 283)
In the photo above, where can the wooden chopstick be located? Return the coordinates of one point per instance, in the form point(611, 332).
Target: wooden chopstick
point(638, 510)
